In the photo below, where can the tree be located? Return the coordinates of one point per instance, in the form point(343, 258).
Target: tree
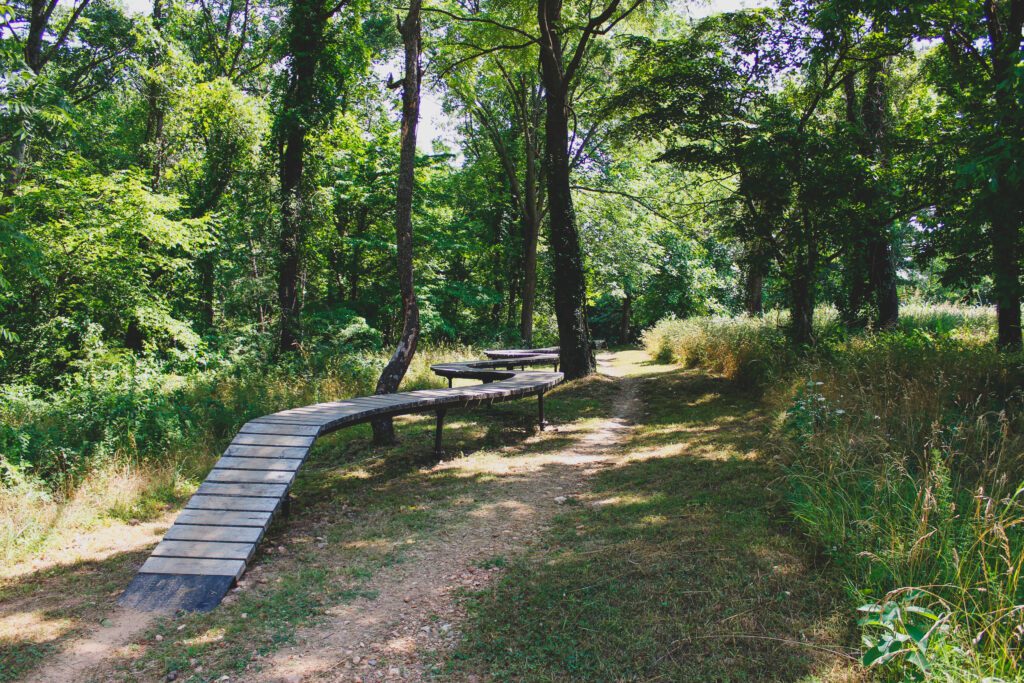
point(394, 371)
point(505, 99)
point(559, 72)
point(32, 27)
point(309, 98)
point(981, 77)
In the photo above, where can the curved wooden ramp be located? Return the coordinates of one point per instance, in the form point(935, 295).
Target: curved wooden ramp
point(207, 549)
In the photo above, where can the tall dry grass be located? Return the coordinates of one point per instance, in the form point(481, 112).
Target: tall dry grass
point(903, 455)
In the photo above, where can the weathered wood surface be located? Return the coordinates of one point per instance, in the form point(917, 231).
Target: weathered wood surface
point(216, 535)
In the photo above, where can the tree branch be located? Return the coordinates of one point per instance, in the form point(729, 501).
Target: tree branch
point(481, 20)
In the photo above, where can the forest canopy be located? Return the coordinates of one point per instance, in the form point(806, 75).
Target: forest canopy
point(216, 178)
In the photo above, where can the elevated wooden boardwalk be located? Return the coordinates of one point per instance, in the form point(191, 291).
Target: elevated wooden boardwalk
point(212, 540)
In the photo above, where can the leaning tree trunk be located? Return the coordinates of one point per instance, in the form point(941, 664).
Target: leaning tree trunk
point(394, 371)
point(576, 356)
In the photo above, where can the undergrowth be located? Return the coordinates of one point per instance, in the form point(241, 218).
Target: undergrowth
point(122, 439)
point(904, 457)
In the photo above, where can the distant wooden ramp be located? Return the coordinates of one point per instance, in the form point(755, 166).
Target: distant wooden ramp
point(214, 538)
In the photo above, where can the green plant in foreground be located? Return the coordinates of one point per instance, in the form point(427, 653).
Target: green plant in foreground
point(900, 631)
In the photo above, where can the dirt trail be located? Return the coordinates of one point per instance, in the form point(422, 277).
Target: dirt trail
point(413, 618)
point(99, 645)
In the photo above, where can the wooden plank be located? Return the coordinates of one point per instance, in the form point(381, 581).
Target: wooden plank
point(288, 465)
point(251, 476)
point(232, 503)
point(277, 419)
point(178, 565)
point(212, 488)
point(271, 440)
point(222, 518)
point(206, 549)
point(266, 452)
point(227, 534)
point(279, 429)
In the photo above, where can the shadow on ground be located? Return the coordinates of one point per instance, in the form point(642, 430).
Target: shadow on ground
point(677, 566)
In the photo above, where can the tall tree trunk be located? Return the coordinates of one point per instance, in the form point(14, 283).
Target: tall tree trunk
point(205, 266)
point(753, 290)
point(881, 260)
point(154, 147)
point(531, 233)
point(884, 282)
point(394, 371)
point(803, 284)
point(576, 356)
point(362, 223)
point(306, 25)
point(1005, 22)
point(856, 270)
point(1005, 215)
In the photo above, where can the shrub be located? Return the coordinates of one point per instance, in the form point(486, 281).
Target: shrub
point(748, 350)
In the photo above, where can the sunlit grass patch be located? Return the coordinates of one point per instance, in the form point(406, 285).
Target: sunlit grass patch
point(672, 567)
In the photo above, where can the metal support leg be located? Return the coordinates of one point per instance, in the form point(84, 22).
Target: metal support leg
point(449, 382)
point(541, 422)
point(438, 449)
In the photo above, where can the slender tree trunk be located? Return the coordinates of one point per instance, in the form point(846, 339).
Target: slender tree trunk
point(801, 309)
point(531, 233)
point(576, 355)
point(355, 263)
point(206, 288)
point(802, 288)
point(154, 148)
point(391, 377)
point(753, 290)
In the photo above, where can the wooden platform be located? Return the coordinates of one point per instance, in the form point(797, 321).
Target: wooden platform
point(215, 536)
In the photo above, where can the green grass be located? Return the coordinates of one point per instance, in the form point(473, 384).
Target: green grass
point(367, 507)
point(903, 454)
point(678, 565)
